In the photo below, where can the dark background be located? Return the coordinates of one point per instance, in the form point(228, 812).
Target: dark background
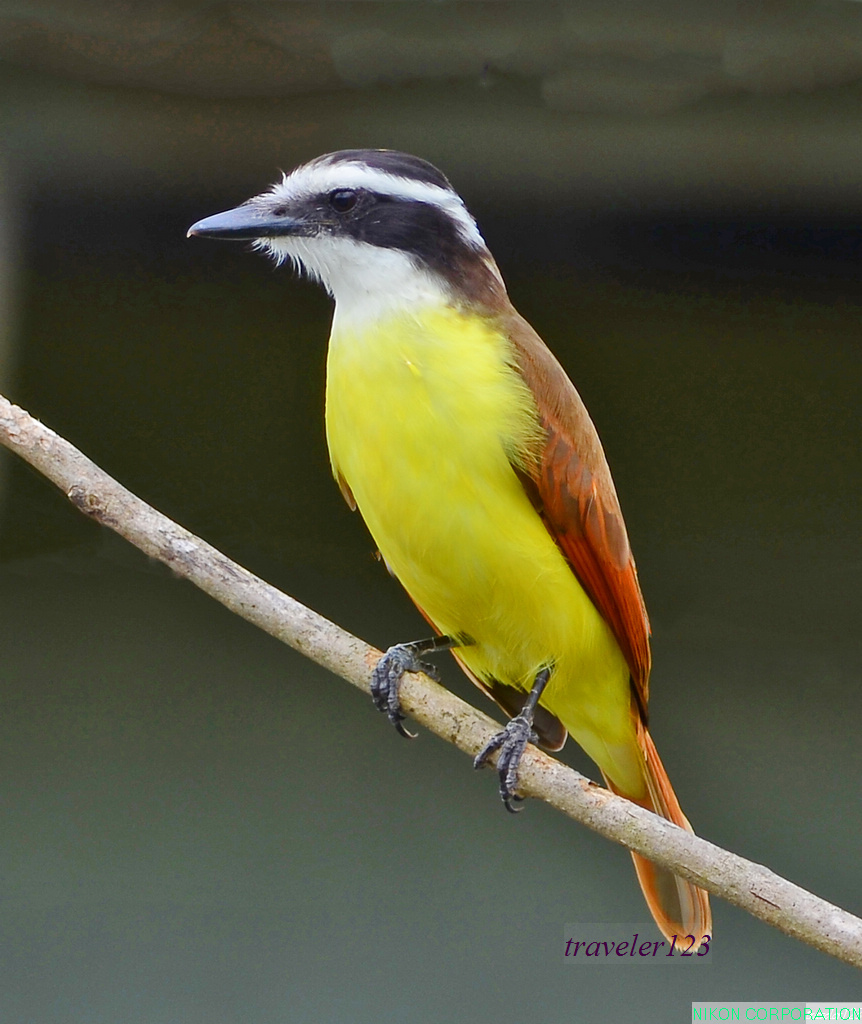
point(200, 826)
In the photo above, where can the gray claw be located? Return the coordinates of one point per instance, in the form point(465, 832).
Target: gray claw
point(511, 742)
point(386, 682)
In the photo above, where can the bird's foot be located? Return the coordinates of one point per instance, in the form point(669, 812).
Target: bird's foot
point(388, 672)
point(511, 742)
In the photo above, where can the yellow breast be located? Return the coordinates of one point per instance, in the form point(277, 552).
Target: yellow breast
point(425, 416)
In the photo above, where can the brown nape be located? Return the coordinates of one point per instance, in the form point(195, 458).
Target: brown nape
point(476, 281)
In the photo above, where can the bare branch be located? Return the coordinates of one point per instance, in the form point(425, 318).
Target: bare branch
point(748, 885)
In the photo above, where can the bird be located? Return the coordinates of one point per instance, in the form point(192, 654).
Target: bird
point(474, 463)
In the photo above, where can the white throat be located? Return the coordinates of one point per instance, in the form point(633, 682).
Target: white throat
point(366, 281)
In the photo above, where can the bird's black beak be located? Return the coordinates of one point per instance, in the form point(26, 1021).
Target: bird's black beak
point(246, 222)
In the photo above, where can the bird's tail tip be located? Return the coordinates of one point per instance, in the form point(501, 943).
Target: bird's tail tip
point(679, 907)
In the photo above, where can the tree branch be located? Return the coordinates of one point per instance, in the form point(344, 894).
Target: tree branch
point(748, 885)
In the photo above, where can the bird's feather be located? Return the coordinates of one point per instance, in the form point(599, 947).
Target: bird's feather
point(571, 486)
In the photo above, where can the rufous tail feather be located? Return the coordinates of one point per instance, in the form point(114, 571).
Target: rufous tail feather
point(679, 907)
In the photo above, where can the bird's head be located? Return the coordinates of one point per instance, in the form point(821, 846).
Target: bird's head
point(374, 226)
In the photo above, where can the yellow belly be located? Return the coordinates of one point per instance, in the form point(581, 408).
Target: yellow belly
point(424, 415)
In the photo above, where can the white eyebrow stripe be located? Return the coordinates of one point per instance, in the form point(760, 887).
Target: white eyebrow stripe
point(313, 179)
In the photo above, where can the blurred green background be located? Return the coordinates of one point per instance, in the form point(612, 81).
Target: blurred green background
point(200, 826)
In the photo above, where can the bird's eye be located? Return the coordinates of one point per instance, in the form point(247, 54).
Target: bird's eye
point(343, 199)
point(280, 211)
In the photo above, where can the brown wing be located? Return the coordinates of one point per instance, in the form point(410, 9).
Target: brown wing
point(346, 493)
point(571, 486)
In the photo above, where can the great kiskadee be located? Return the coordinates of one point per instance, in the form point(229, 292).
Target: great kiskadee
point(460, 439)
